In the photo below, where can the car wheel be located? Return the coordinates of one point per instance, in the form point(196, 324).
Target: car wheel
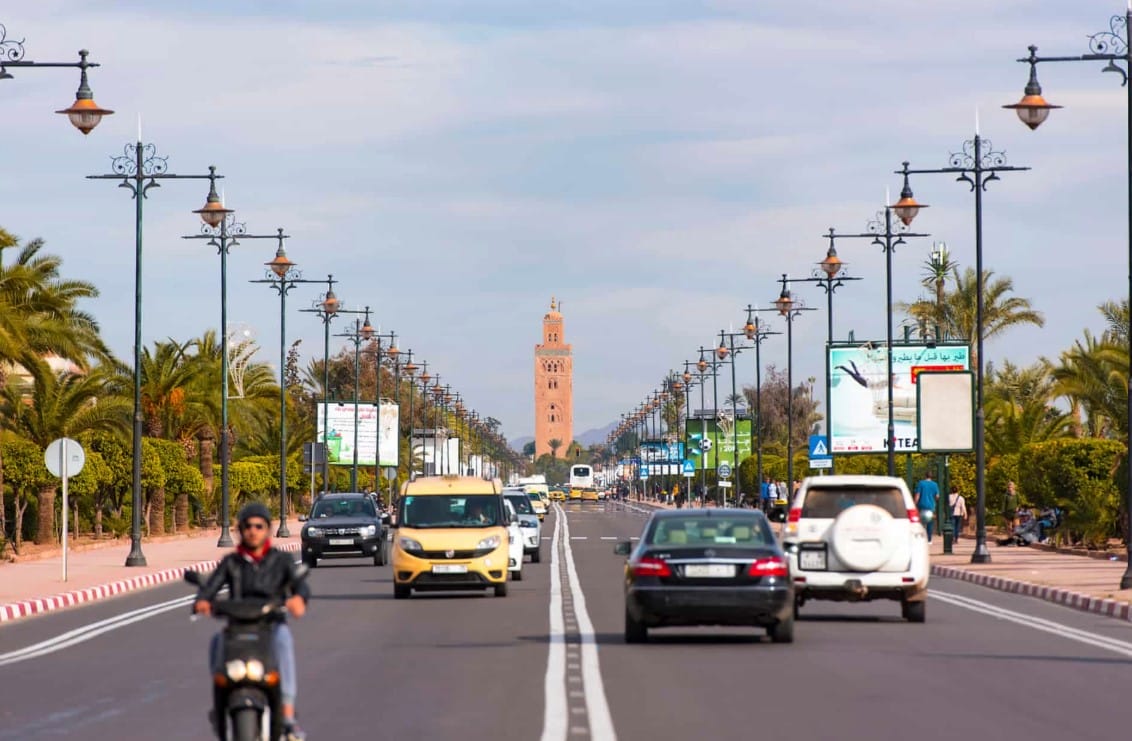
point(915, 612)
point(379, 554)
point(402, 591)
point(517, 575)
point(635, 631)
point(536, 557)
point(782, 631)
point(797, 607)
point(501, 590)
point(310, 560)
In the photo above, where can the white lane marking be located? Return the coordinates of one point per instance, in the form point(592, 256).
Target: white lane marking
point(597, 707)
point(1096, 640)
point(578, 537)
point(93, 630)
point(609, 537)
point(555, 719)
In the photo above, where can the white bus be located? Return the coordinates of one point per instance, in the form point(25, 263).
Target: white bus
point(581, 476)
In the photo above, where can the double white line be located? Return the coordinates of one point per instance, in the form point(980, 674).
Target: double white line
point(92, 630)
point(1096, 640)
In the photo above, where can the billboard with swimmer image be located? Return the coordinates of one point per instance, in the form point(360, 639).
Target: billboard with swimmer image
point(859, 393)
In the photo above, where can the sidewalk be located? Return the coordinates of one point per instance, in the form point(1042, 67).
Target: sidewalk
point(36, 586)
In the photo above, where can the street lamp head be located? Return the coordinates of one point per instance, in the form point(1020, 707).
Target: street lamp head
point(393, 352)
point(426, 377)
point(367, 330)
point(832, 264)
point(687, 377)
point(1033, 109)
point(721, 351)
point(212, 212)
point(410, 369)
point(330, 303)
point(84, 114)
point(784, 302)
point(702, 365)
point(907, 207)
point(281, 264)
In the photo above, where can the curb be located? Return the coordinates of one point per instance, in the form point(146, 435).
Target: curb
point(27, 608)
point(1064, 597)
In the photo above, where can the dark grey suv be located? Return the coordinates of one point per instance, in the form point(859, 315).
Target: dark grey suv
point(347, 525)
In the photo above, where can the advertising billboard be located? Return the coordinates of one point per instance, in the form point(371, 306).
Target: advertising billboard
point(859, 393)
point(339, 416)
point(721, 441)
point(661, 451)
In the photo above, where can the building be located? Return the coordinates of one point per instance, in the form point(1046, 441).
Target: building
point(554, 386)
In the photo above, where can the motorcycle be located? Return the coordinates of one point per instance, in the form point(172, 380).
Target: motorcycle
point(246, 693)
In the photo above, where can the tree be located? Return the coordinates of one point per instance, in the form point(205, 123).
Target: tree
point(554, 444)
point(62, 405)
point(529, 449)
point(775, 397)
point(1019, 407)
point(1093, 374)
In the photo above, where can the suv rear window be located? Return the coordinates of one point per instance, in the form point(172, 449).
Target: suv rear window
point(827, 502)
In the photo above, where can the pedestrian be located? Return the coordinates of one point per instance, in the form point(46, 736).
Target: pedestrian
point(926, 496)
point(958, 507)
point(764, 494)
point(1010, 508)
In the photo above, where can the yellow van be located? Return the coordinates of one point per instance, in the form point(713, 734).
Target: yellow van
point(451, 535)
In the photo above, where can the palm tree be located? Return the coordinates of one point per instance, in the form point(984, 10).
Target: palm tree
point(554, 444)
point(63, 405)
point(957, 313)
point(1019, 407)
point(1093, 374)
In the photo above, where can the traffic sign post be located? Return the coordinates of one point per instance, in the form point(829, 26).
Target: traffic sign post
point(64, 458)
point(689, 469)
point(724, 470)
point(820, 457)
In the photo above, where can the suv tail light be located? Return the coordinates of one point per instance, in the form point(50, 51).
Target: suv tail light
point(914, 515)
point(770, 566)
point(650, 566)
point(794, 515)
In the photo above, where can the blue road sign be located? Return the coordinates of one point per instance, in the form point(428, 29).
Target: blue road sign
point(689, 468)
point(819, 448)
point(724, 470)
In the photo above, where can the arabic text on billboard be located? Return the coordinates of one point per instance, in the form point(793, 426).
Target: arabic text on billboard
point(340, 441)
point(859, 393)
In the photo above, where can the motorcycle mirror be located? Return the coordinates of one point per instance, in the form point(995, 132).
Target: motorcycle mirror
point(192, 577)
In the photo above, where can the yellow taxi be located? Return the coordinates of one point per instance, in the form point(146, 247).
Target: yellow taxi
point(574, 494)
point(451, 535)
point(589, 495)
point(539, 504)
point(557, 495)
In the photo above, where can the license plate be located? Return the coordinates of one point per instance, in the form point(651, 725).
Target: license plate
point(341, 541)
point(449, 568)
point(709, 570)
point(812, 560)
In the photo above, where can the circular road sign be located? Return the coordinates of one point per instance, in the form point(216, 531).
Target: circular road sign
point(61, 448)
point(724, 470)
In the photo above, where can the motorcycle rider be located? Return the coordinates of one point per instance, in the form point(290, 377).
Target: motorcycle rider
point(256, 570)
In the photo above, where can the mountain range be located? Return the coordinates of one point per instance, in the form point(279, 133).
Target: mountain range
point(596, 436)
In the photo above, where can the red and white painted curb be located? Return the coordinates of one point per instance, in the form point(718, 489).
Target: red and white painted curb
point(1064, 597)
point(27, 608)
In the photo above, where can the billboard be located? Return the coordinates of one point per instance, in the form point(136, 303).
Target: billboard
point(661, 451)
point(721, 434)
point(859, 393)
point(339, 416)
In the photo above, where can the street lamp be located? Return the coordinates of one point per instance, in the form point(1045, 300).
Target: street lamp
point(888, 236)
point(702, 365)
point(282, 275)
point(84, 114)
point(363, 332)
point(326, 307)
point(789, 308)
point(1112, 47)
point(139, 168)
point(410, 369)
point(976, 165)
point(392, 352)
point(755, 333)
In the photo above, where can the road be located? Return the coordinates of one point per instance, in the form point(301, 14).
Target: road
point(548, 661)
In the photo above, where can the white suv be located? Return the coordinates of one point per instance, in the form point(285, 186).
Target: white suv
point(854, 538)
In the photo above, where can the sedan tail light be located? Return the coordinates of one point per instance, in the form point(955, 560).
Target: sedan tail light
point(914, 515)
point(650, 566)
point(770, 566)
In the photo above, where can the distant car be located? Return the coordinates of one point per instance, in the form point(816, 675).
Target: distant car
point(589, 495)
point(557, 495)
point(707, 567)
point(538, 504)
point(858, 538)
point(514, 542)
point(344, 525)
point(528, 523)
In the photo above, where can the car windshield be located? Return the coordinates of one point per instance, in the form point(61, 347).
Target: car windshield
point(535, 496)
point(744, 531)
point(828, 502)
point(521, 504)
point(342, 507)
point(451, 510)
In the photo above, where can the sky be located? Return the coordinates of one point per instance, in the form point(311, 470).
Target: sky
point(655, 164)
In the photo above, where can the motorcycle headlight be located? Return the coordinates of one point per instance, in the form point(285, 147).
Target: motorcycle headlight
point(410, 545)
point(236, 670)
point(489, 543)
point(369, 531)
point(255, 670)
point(314, 532)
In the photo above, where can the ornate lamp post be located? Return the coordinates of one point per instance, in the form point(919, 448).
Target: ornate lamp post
point(789, 307)
point(326, 308)
point(1110, 46)
point(363, 332)
point(755, 333)
point(139, 168)
point(282, 275)
point(84, 114)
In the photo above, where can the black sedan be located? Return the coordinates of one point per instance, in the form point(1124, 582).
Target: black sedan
point(344, 525)
point(707, 567)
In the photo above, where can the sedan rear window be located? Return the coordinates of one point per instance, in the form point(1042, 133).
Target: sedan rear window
point(740, 531)
point(823, 502)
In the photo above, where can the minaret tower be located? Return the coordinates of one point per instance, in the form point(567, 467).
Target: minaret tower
point(554, 386)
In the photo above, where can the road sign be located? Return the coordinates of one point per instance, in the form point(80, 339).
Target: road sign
point(689, 469)
point(64, 458)
point(817, 463)
point(390, 473)
point(644, 472)
point(724, 470)
point(819, 448)
point(725, 484)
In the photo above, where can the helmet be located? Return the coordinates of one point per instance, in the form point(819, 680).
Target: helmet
point(255, 509)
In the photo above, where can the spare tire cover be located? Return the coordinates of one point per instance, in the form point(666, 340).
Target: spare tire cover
point(863, 537)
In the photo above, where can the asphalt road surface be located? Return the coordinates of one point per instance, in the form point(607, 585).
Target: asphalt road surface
point(549, 662)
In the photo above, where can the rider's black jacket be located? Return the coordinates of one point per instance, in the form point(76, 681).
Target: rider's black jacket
point(273, 577)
